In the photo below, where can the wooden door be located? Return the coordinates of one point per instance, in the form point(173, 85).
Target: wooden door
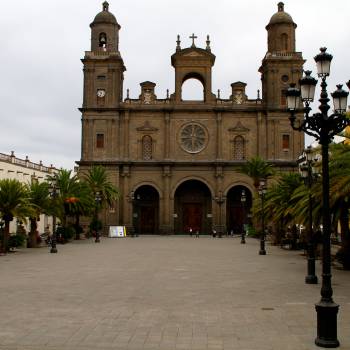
point(192, 217)
point(148, 219)
point(235, 219)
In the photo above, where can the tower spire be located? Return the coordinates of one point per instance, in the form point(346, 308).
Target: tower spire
point(105, 6)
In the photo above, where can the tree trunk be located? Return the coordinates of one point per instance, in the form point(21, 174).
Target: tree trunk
point(77, 226)
point(6, 233)
point(32, 239)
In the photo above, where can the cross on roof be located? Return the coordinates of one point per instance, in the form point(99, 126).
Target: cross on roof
point(193, 37)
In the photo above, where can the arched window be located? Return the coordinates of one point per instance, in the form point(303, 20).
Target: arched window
point(192, 89)
point(238, 148)
point(102, 41)
point(284, 42)
point(147, 147)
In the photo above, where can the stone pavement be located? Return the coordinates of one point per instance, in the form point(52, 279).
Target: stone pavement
point(162, 293)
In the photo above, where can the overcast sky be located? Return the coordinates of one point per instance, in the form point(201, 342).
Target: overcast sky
point(42, 43)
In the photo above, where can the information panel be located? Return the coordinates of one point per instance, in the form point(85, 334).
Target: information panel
point(117, 231)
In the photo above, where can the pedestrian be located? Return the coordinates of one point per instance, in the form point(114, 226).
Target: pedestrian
point(214, 233)
point(191, 231)
point(197, 233)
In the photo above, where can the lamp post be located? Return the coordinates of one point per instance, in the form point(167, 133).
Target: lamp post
point(308, 176)
point(135, 213)
point(54, 192)
point(243, 201)
point(262, 192)
point(323, 127)
point(98, 200)
point(220, 200)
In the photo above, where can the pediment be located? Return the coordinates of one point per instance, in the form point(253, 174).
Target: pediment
point(239, 127)
point(147, 127)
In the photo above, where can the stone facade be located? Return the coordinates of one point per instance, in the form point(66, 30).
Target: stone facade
point(176, 162)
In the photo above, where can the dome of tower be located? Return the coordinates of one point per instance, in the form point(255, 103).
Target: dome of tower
point(105, 16)
point(280, 16)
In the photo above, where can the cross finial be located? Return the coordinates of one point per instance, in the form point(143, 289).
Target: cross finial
point(178, 42)
point(193, 37)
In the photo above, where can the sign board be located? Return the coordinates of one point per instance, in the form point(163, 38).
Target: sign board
point(117, 231)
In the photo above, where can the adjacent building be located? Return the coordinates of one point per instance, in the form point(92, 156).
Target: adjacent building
point(25, 171)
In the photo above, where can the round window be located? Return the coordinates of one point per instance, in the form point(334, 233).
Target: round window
point(285, 78)
point(193, 138)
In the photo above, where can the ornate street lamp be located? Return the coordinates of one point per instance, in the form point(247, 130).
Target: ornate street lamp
point(243, 201)
point(323, 127)
point(98, 201)
point(262, 192)
point(220, 199)
point(309, 177)
point(54, 192)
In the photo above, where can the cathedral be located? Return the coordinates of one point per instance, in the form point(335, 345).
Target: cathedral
point(176, 162)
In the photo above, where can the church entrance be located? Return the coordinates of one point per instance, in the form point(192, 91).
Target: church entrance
point(146, 210)
point(192, 208)
point(238, 209)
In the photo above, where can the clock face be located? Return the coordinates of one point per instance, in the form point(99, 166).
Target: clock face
point(101, 93)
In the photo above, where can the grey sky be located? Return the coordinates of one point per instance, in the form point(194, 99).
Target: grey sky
point(43, 41)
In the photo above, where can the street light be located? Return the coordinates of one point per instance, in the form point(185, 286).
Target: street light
point(220, 200)
point(262, 192)
point(323, 127)
point(309, 177)
point(98, 200)
point(54, 192)
point(243, 201)
point(135, 213)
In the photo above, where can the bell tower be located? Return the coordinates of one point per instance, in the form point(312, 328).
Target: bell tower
point(281, 65)
point(103, 87)
point(103, 65)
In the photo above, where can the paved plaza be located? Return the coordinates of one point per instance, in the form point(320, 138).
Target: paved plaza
point(162, 293)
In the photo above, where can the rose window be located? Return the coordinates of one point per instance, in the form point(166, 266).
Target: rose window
point(193, 138)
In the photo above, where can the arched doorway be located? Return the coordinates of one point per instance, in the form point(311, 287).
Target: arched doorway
point(237, 210)
point(145, 210)
point(192, 208)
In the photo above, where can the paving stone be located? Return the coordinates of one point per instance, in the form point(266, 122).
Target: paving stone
point(163, 293)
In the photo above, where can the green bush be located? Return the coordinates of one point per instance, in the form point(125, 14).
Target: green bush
point(95, 225)
point(64, 234)
point(16, 240)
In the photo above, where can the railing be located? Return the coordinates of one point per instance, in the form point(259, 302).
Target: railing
point(25, 163)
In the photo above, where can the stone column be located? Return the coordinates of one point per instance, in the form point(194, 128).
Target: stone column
point(218, 135)
point(165, 226)
point(167, 136)
point(126, 134)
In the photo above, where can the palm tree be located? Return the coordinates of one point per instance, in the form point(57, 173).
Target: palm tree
point(39, 199)
point(68, 186)
point(83, 206)
point(101, 188)
point(340, 196)
point(257, 168)
point(279, 206)
point(14, 202)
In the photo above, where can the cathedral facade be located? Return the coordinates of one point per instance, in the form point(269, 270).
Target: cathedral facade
point(176, 162)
